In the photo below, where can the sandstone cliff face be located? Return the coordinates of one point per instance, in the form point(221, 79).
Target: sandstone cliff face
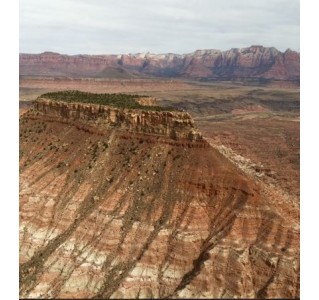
point(252, 62)
point(255, 62)
point(176, 125)
point(111, 213)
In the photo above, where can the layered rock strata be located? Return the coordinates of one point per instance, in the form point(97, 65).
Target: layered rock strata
point(110, 213)
point(251, 63)
point(177, 125)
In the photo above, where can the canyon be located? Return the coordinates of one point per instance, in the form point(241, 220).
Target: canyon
point(121, 203)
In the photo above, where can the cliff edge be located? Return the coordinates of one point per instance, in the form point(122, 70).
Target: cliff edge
point(148, 118)
point(113, 206)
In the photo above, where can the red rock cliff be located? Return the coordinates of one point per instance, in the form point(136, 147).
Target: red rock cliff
point(255, 63)
point(111, 213)
point(177, 125)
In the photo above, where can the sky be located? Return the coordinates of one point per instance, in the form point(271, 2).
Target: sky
point(156, 26)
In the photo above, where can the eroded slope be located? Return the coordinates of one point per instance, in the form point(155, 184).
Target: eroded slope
point(111, 212)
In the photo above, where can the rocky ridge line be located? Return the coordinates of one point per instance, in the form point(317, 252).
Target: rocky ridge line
point(251, 63)
point(176, 125)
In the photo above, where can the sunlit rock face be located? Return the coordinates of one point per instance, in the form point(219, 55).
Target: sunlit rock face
point(117, 211)
point(174, 124)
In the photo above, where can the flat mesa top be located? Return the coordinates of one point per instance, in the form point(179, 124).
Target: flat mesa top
point(129, 101)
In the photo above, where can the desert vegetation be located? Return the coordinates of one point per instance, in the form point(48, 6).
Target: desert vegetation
point(116, 99)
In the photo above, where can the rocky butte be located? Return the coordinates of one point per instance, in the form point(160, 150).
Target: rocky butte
point(145, 118)
point(131, 202)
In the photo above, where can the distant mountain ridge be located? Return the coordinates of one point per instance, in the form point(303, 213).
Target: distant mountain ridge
point(251, 63)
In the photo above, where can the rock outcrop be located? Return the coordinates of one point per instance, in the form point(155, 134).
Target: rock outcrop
point(112, 213)
point(173, 124)
point(252, 63)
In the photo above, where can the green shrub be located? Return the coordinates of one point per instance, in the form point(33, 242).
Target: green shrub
point(117, 100)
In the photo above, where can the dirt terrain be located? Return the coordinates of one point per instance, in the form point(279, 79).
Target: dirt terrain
point(108, 211)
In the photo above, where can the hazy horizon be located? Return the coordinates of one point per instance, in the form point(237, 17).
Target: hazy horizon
point(160, 26)
point(162, 53)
